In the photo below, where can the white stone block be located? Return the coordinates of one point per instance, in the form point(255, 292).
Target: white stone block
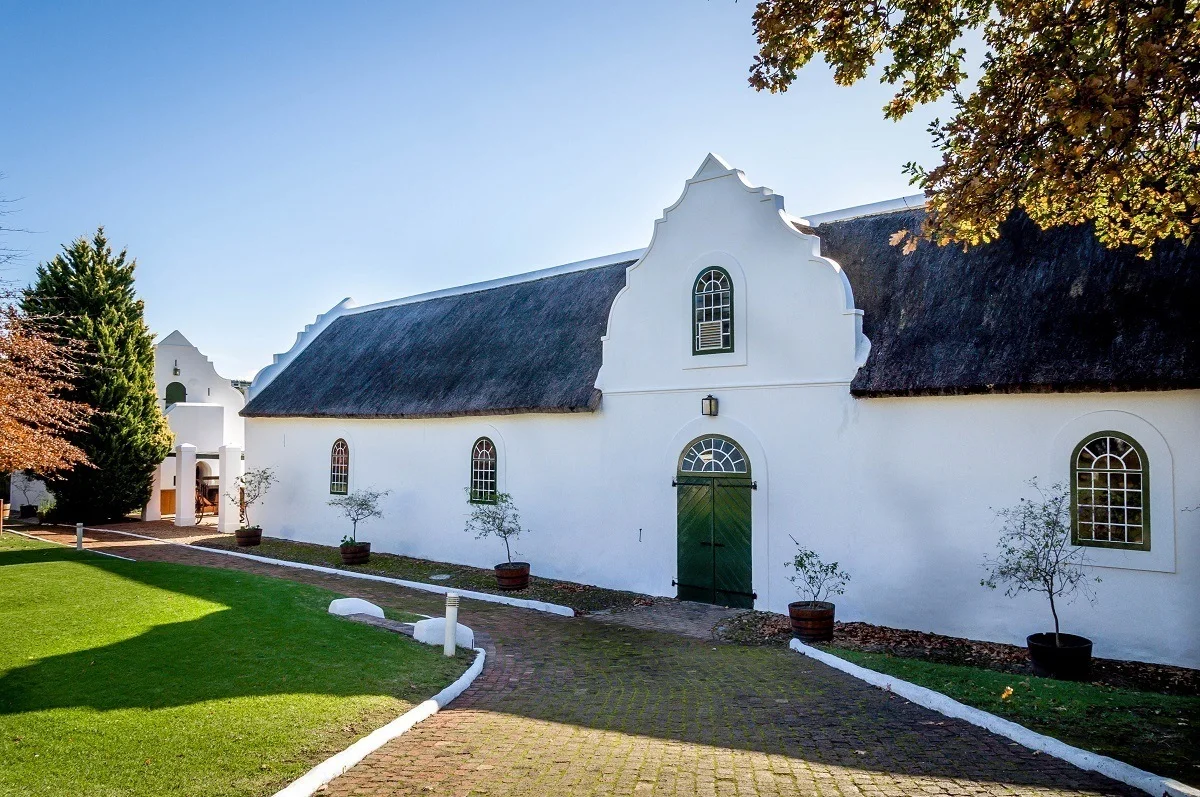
point(433, 632)
point(344, 606)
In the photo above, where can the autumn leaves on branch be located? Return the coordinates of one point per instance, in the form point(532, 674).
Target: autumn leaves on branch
point(36, 419)
point(1083, 112)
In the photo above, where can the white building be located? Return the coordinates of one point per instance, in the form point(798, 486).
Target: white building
point(202, 408)
point(873, 406)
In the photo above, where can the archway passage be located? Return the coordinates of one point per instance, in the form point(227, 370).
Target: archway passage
point(714, 523)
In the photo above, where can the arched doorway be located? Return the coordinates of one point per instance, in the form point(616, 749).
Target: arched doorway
point(176, 393)
point(208, 494)
point(714, 530)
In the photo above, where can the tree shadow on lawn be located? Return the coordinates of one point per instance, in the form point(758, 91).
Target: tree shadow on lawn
point(584, 674)
point(270, 637)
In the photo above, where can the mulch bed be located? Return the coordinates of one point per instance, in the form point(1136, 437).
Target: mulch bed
point(767, 628)
point(583, 598)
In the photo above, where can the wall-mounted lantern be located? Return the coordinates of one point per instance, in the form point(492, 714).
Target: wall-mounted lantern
point(708, 406)
point(175, 368)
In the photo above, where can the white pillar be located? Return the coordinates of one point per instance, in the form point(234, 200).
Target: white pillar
point(230, 467)
point(185, 484)
point(451, 624)
point(153, 510)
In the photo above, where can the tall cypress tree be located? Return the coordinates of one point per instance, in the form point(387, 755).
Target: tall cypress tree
point(87, 294)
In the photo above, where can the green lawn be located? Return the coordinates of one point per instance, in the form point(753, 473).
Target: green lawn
point(1159, 733)
point(139, 678)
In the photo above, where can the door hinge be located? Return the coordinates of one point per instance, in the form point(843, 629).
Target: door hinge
point(674, 483)
point(754, 485)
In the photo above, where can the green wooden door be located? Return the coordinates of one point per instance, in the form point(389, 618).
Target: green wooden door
point(714, 540)
point(696, 573)
point(731, 543)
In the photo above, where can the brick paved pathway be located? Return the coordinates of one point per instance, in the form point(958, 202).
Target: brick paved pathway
point(570, 706)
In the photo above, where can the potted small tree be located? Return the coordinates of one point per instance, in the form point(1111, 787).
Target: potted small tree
point(501, 519)
point(249, 489)
point(812, 619)
point(1036, 555)
point(358, 506)
point(29, 508)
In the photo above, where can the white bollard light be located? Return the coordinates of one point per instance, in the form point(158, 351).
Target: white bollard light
point(79, 536)
point(451, 622)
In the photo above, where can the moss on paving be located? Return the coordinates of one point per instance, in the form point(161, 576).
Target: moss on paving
point(142, 678)
point(582, 598)
point(1156, 732)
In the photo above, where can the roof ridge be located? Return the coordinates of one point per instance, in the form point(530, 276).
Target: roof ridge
point(500, 282)
point(910, 202)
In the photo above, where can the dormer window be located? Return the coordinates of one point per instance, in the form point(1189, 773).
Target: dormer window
point(712, 312)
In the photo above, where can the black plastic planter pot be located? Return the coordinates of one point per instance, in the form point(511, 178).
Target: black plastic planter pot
point(28, 511)
point(1071, 662)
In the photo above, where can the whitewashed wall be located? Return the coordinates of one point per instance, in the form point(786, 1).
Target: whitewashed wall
point(204, 386)
point(900, 491)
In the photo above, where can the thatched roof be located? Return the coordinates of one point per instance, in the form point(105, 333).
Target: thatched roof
point(1034, 311)
point(531, 346)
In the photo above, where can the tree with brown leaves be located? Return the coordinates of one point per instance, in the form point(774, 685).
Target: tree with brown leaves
point(1085, 111)
point(35, 417)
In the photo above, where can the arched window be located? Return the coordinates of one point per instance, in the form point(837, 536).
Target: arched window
point(176, 393)
point(483, 472)
point(712, 312)
point(713, 455)
point(339, 468)
point(1110, 493)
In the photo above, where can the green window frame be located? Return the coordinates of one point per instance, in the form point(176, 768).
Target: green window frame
point(1110, 493)
point(339, 468)
point(484, 471)
point(712, 311)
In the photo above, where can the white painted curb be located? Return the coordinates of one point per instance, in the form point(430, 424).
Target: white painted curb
point(337, 764)
point(1109, 767)
point(487, 597)
point(67, 545)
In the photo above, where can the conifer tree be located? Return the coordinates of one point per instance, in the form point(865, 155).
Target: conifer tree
point(87, 295)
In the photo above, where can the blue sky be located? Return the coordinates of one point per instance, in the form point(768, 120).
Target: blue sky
point(264, 160)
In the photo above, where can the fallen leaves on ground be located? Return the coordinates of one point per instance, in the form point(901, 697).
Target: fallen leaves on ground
point(768, 628)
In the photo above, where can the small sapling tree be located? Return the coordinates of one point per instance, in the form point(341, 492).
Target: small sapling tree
point(358, 506)
point(249, 489)
point(499, 519)
point(814, 578)
point(1035, 551)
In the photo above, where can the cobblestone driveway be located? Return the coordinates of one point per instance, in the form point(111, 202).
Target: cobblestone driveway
point(577, 707)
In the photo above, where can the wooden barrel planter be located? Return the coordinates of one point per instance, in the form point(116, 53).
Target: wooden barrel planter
point(811, 621)
point(512, 575)
point(248, 538)
point(356, 553)
point(1072, 661)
